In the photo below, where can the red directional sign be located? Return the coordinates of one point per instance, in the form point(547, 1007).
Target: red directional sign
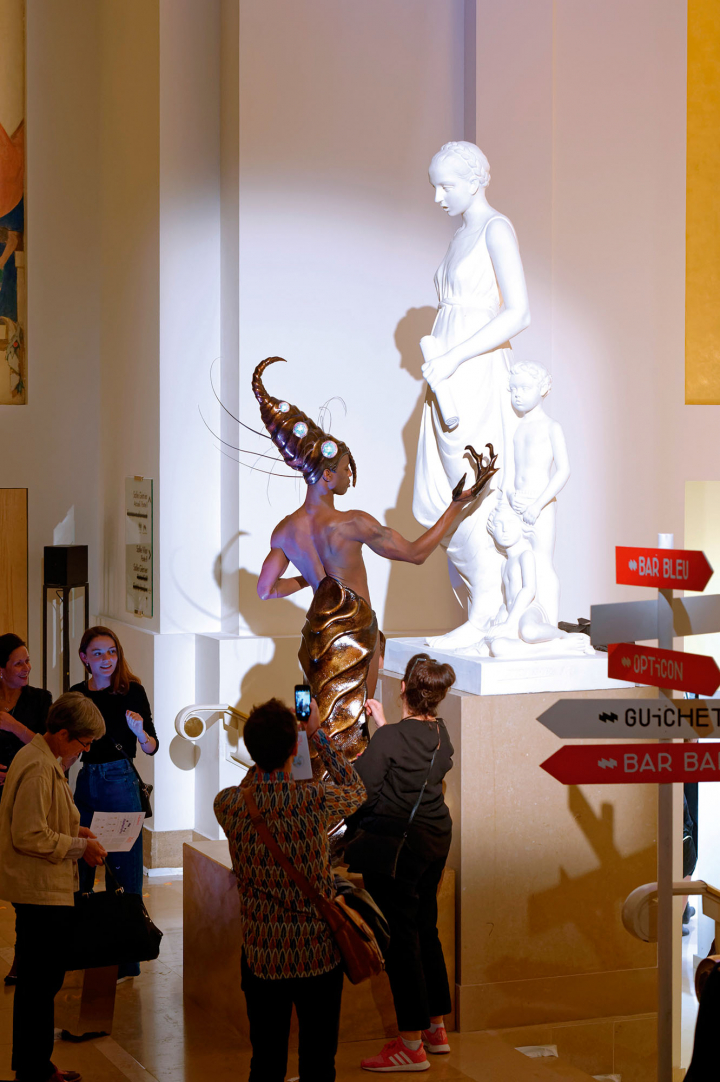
point(613, 764)
point(665, 569)
point(663, 668)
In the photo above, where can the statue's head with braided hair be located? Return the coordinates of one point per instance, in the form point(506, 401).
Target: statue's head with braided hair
point(459, 172)
point(302, 443)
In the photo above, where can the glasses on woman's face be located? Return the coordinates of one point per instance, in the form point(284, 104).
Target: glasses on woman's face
point(84, 744)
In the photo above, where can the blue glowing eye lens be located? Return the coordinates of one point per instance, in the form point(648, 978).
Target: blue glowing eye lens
point(284, 407)
point(329, 449)
point(300, 429)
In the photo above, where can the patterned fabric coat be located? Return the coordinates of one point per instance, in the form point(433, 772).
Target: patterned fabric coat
point(283, 936)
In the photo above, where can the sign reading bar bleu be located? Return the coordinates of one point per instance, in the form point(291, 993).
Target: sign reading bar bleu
point(139, 545)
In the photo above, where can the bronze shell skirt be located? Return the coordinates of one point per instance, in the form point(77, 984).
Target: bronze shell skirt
point(338, 643)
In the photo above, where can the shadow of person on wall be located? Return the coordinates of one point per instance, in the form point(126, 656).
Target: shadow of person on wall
point(414, 599)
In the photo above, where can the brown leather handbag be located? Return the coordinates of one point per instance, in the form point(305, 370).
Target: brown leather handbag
point(355, 938)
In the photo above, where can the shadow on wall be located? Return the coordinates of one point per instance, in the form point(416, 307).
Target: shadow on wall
point(414, 599)
point(276, 617)
point(583, 912)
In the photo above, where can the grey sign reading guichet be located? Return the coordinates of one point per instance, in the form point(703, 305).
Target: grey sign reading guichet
point(632, 719)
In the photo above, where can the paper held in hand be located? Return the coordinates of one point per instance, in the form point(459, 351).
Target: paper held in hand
point(302, 763)
point(117, 831)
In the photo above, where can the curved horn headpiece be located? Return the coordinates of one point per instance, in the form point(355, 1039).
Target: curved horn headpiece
point(302, 443)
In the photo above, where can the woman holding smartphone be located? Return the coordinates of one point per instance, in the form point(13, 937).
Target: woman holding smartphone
point(108, 780)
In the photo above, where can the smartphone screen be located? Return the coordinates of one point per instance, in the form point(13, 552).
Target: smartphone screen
point(302, 700)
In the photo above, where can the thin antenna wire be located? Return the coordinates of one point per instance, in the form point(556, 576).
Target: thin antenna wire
point(242, 450)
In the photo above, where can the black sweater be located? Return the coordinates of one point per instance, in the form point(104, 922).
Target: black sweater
point(393, 769)
point(117, 731)
point(32, 710)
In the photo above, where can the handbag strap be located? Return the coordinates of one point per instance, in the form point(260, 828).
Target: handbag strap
point(262, 828)
point(143, 784)
point(416, 805)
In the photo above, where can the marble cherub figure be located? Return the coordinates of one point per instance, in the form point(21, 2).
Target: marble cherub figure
point(540, 469)
point(523, 628)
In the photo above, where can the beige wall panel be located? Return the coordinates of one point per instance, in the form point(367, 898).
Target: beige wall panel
point(13, 561)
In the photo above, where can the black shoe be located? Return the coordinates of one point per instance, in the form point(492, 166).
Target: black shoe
point(686, 930)
point(689, 912)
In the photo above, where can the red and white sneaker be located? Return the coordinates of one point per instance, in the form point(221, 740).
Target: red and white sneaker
point(435, 1040)
point(396, 1056)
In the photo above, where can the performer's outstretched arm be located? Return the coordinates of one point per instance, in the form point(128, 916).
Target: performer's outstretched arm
point(271, 583)
point(393, 546)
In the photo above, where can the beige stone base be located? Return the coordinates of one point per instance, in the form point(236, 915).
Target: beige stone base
point(542, 870)
point(212, 946)
point(625, 1046)
point(164, 848)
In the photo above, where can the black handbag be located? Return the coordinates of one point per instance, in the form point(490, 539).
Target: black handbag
point(111, 928)
point(145, 787)
point(368, 851)
point(359, 900)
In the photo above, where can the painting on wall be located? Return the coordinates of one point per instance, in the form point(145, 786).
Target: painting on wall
point(13, 293)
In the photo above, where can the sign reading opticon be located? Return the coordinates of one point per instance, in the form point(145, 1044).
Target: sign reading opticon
point(665, 569)
point(663, 668)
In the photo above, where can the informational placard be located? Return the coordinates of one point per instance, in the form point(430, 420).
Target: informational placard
point(139, 545)
point(633, 719)
point(665, 569)
point(663, 668)
point(117, 831)
point(613, 764)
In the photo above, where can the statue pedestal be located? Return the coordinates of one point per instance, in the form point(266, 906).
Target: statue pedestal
point(212, 947)
point(505, 676)
point(542, 869)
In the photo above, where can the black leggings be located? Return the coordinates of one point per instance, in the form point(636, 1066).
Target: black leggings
point(415, 963)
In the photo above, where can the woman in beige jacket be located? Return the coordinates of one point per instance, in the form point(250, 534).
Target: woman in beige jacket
point(41, 841)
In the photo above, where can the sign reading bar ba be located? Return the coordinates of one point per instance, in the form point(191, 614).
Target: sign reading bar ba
point(663, 668)
point(612, 764)
point(665, 569)
point(634, 719)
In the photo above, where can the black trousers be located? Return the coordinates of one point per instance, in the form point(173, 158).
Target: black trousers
point(414, 962)
point(269, 1008)
point(43, 935)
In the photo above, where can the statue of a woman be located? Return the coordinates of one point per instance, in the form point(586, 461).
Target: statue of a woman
point(482, 304)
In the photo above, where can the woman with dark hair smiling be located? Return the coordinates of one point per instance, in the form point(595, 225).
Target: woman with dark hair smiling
point(23, 709)
point(108, 781)
point(400, 840)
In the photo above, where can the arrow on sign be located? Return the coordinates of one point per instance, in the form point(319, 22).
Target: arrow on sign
point(665, 569)
point(632, 719)
point(663, 668)
point(583, 764)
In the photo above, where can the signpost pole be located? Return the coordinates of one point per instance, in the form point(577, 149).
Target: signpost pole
point(665, 865)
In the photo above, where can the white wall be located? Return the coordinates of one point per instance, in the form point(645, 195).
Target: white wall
point(341, 108)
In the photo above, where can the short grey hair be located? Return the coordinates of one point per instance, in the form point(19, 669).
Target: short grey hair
point(78, 714)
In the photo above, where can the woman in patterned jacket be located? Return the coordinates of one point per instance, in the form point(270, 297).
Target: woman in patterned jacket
point(289, 954)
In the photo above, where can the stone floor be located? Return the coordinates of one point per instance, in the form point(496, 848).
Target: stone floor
point(158, 1038)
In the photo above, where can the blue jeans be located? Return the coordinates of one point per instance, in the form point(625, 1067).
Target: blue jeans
point(111, 787)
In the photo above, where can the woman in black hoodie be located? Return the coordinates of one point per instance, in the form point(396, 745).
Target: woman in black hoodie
point(406, 817)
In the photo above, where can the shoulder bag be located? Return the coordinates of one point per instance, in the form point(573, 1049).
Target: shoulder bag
point(373, 852)
point(145, 787)
point(111, 928)
point(355, 939)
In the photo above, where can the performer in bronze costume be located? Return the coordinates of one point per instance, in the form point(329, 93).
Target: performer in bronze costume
point(338, 653)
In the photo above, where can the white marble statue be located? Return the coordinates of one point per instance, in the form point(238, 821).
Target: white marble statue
point(522, 627)
point(540, 469)
point(482, 304)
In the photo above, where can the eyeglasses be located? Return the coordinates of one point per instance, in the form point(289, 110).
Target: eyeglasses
point(85, 745)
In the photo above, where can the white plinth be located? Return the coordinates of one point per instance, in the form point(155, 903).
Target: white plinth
point(505, 676)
